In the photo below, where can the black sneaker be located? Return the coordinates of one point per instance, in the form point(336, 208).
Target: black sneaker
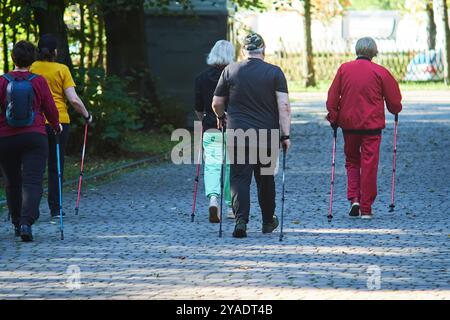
point(17, 231)
point(240, 230)
point(270, 227)
point(26, 234)
point(355, 210)
point(55, 215)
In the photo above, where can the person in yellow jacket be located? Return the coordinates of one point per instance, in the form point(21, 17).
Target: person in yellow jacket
point(62, 88)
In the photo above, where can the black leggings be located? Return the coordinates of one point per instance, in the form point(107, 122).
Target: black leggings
point(22, 160)
point(53, 180)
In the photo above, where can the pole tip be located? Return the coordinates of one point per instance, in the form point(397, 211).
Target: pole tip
point(330, 219)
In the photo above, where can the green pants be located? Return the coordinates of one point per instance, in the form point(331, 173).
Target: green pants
point(212, 145)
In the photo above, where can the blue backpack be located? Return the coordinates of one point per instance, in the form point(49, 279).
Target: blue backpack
point(19, 101)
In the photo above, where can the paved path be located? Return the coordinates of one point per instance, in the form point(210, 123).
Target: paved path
point(134, 239)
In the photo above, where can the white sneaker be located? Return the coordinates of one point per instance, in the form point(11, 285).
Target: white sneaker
point(366, 216)
point(214, 210)
point(230, 214)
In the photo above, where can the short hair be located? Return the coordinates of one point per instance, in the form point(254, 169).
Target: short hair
point(222, 54)
point(366, 47)
point(23, 54)
point(255, 52)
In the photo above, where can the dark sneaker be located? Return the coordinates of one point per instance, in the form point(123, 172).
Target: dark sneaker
point(17, 231)
point(26, 234)
point(55, 215)
point(355, 210)
point(270, 227)
point(240, 230)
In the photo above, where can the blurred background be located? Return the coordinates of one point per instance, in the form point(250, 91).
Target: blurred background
point(135, 61)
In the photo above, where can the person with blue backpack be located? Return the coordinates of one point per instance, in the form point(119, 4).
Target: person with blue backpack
point(26, 102)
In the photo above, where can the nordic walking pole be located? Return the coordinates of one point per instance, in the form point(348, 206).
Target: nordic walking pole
point(394, 165)
point(80, 182)
point(58, 161)
point(333, 170)
point(222, 178)
point(282, 195)
point(197, 177)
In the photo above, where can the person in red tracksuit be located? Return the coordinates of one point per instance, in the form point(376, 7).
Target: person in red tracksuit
point(355, 103)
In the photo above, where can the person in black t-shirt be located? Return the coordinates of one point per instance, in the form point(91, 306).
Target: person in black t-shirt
point(222, 54)
point(256, 94)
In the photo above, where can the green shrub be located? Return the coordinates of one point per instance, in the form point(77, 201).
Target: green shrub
point(172, 114)
point(115, 114)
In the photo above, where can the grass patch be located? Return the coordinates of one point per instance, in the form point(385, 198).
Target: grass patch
point(418, 86)
point(137, 145)
point(147, 144)
point(323, 86)
point(297, 86)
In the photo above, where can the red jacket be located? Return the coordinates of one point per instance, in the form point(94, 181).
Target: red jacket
point(43, 105)
point(356, 97)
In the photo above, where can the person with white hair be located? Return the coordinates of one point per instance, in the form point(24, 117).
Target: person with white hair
point(221, 55)
point(355, 103)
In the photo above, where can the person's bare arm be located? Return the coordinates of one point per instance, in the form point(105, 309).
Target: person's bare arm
point(218, 106)
point(76, 102)
point(284, 109)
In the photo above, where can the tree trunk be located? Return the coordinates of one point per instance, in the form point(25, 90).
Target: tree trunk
point(431, 26)
point(5, 38)
point(100, 63)
point(82, 36)
point(127, 49)
point(51, 20)
point(28, 23)
point(13, 26)
point(92, 37)
point(442, 23)
point(308, 63)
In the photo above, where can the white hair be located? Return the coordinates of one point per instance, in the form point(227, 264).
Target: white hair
point(366, 47)
point(222, 54)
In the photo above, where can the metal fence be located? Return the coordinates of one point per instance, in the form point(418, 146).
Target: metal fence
point(406, 62)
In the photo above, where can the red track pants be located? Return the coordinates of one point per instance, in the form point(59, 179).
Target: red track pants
point(362, 154)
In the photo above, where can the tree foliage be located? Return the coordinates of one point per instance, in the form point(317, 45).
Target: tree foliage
point(322, 10)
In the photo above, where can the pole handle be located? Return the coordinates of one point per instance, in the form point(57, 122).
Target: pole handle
point(396, 117)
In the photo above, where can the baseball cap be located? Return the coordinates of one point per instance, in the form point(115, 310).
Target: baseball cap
point(253, 42)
